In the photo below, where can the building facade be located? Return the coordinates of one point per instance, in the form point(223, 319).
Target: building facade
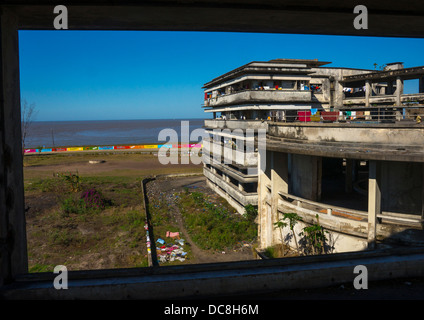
point(342, 145)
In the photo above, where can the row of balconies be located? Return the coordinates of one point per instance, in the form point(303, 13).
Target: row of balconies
point(231, 190)
point(297, 96)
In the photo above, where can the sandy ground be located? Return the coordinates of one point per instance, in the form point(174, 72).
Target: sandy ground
point(112, 165)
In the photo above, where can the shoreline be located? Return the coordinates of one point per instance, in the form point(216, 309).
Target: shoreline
point(140, 147)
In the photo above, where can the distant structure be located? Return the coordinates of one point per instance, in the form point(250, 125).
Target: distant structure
point(344, 144)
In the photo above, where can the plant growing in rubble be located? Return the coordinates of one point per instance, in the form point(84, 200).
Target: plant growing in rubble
point(314, 237)
point(292, 218)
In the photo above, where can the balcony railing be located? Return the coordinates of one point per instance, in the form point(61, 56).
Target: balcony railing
point(270, 96)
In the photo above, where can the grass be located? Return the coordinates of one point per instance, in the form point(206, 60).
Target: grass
point(100, 225)
point(214, 226)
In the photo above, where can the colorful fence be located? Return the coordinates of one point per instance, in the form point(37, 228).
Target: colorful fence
point(144, 146)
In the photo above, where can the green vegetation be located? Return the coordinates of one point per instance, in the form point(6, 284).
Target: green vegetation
point(251, 212)
point(293, 219)
point(214, 226)
point(314, 238)
point(85, 222)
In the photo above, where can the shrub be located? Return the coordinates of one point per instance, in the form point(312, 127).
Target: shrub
point(251, 212)
point(71, 205)
point(93, 199)
point(90, 200)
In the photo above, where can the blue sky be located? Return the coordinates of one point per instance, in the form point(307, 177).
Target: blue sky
point(106, 75)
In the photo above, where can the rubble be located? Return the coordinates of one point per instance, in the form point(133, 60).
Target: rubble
point(172, 251)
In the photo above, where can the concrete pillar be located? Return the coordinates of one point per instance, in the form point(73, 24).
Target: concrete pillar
point(350, 164)
point(279, 183)
point(306, 176)
point(240, 186)
point(374, 201)
point(399, 90)
point(422, 196)
point(389, 87)
point(421, 85)
point(13, 245)
point(367, 93)
point(265, 226)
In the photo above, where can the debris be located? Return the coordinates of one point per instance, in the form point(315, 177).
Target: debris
point(169, 252)
point(173, 234)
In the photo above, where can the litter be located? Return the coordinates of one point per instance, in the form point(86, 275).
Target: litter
point(180, 242)
point(173, 234)
point(161, 241)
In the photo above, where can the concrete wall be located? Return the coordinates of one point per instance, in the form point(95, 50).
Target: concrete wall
point(402, 187)
point(270, 96)
point(236, 124)
point(388, 135)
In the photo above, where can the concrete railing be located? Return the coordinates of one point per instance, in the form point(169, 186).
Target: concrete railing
point(346, 213)
point(404, 98)
point(241, 196)
point(227, 155)
point(235, 124)
point(261, 95)
point(359, 134)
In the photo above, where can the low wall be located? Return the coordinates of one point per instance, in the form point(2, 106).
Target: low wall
point(376, 134)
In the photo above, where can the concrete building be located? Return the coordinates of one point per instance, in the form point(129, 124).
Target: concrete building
point(344, 145)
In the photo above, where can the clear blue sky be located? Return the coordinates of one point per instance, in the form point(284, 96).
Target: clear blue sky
point(104, 75)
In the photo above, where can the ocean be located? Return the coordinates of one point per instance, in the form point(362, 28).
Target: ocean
point(51, 134)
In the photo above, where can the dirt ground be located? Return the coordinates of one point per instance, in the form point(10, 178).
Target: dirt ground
point(110, 164)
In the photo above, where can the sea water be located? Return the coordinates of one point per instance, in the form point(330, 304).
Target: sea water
point(51, 134)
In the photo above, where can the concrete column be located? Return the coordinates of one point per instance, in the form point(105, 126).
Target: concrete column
point(374, 201)
point(367, 93)
point(399, 90)
point(389, 87)
point(265, 227)
point(422, 195)
point(421, 85)
point(13, 244)
point(240, 186)
point(306, 176)
point(350, 163)
point(279, 183)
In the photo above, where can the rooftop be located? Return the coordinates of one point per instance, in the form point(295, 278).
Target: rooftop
point(279, 66)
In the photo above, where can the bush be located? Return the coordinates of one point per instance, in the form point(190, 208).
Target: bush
point(90, 200)
point(71, 205)
point(251, 212)
point(93, 199)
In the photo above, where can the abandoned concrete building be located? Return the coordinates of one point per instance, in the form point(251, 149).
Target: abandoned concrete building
point(342, 145)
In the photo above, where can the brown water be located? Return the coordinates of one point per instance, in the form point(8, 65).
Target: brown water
point(103, 132)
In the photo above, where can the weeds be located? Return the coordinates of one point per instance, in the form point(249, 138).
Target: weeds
point(212, 226)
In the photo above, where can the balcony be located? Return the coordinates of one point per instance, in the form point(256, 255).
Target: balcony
point(375, 141)
point(384, 99)
point(235, 124)
point(251, 96)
